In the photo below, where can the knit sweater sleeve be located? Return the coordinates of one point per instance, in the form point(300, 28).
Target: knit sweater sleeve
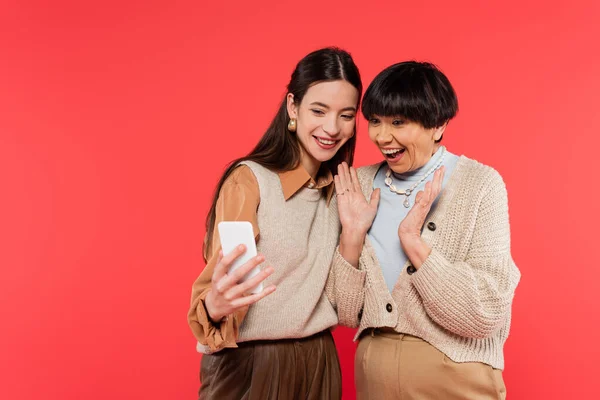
point(345, 289)
point(345, 286)
point(472, 298)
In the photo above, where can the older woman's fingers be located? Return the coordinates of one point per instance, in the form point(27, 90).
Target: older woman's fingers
point(419, 197)
point(355, 183)
point(439, 180)
point(427, 194)
point(348, 184)
point(343, 178)
point(337, 183)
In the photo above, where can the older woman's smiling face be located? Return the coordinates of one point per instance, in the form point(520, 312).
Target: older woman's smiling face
point(406, 145)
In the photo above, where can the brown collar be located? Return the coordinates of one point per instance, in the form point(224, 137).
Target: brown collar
point(297, 178)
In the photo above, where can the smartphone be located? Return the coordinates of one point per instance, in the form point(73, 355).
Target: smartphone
point(232, 234)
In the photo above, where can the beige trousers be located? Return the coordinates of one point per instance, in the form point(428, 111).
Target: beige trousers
point(389, 365)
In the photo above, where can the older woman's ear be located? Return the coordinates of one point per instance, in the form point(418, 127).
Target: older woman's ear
point(439, 132)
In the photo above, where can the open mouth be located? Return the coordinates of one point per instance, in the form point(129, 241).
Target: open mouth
point(392, 154)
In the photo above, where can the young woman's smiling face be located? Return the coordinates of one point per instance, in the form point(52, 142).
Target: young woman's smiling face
point(326, 118)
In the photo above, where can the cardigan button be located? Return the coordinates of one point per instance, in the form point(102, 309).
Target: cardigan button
point(431, 226)
point(411, 269)
point(388, 307)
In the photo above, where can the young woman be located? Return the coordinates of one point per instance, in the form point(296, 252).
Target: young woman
point(434, 303)
point(277, 344)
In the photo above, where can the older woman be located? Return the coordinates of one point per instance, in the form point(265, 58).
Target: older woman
point(433, 277)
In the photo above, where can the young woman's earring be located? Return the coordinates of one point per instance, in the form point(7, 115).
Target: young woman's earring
point(292, 125)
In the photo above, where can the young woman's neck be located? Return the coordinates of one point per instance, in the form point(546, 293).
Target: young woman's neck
point(310, 164)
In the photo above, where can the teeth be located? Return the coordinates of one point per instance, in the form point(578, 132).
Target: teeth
point(328, 142)
point(390, 151)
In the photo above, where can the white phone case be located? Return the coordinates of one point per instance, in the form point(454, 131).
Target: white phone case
point(234, 233)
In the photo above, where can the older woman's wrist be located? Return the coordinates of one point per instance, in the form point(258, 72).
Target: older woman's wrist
point(415, 249)
point(352, 237)
point(351, 244)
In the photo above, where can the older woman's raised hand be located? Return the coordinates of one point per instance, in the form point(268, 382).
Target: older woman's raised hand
point(410, 228)
point(356, 213)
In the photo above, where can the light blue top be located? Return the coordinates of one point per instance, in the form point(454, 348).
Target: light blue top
point(384, 231)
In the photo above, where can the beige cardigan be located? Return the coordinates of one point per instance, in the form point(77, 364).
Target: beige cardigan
point(460, 299)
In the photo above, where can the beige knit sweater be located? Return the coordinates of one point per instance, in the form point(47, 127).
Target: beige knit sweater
point(460, 299)
point(298, 238)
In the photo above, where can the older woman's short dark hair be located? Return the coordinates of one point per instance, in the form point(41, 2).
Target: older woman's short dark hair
point(417, 91)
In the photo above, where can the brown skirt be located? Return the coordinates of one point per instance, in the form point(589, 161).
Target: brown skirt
point(287, 369)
